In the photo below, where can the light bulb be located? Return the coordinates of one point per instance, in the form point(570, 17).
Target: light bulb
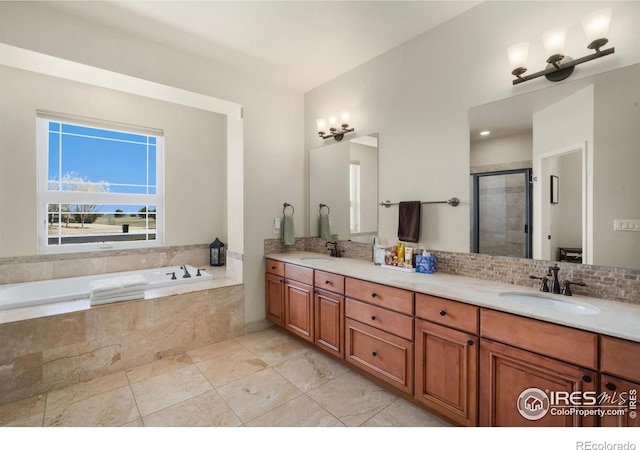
point(519, 56)
point(553, 41)
point(596, 26)
point(332, 121)
point(321, 124)
point(344, 117)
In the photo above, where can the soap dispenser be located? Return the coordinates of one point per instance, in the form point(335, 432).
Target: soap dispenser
point(378, 252)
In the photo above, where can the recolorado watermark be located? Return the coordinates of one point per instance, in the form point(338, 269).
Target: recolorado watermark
point(589, 445)
point(534, 404)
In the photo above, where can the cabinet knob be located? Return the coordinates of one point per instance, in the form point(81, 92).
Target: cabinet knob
point(373, 317)
point(470, 342)
point(586, 378)
point(273, 267)
point(375, 353)
point(611, 386)
point(443, 313)
point(327, 282)
point(373, 294)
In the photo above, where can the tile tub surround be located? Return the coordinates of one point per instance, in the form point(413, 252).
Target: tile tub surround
point(608, 283)
point(46, 267)
point(41, 354)
point(618, 319)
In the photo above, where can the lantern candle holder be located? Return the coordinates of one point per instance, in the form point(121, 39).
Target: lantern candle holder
point(217, 253)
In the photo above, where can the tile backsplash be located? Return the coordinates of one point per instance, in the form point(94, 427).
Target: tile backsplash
point(610, 283)
point(45, 267)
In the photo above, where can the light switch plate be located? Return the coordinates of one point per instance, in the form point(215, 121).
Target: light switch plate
point(626, 225)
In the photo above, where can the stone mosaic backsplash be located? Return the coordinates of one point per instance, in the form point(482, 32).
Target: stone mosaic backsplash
point(610, 283)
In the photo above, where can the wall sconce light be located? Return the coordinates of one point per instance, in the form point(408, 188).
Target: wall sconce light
point(560, 66)
point(336, 133)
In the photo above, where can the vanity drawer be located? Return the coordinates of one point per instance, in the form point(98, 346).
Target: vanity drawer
point(388, 357)
point(329, 281)
point(620, 357)
point(448, 313)
point(275, 267)
point(381, 318)
point(298, 273)
point(380, 295)
point(548, 339)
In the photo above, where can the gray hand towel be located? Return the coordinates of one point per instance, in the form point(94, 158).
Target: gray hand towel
point(409, 221)
point(325, 227)
point(288, 235)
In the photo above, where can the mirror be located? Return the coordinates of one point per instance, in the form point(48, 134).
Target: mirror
point(581, 142)
point(344, 177)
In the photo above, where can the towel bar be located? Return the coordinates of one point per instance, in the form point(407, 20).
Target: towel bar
point(285, 206)
point(454, 201)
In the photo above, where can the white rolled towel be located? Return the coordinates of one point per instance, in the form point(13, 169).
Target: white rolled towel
point(133, 280)
point(106, 284)
point(117, 292)
point(114, 299)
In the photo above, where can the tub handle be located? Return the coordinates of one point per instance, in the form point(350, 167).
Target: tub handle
point(173, 275)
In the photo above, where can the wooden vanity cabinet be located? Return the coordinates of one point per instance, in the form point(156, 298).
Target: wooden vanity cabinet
point(532, 354)
point(620, 380)
point(298, 301)
point(328, 304)
point(379, 331)
point(506, 372)
point(446, 359)
point(274, 292)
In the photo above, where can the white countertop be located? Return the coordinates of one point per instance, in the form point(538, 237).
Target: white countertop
point(614, 319)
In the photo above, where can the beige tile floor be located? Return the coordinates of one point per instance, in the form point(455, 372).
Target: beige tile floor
point(264, 379)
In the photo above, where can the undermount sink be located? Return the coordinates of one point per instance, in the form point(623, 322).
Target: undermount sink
point(317, 259)
point(550, 303)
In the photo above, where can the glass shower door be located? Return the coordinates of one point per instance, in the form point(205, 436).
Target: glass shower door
point(502, 213)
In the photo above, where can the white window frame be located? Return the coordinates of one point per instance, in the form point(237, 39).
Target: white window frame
point(354, 196)
point(46, 196)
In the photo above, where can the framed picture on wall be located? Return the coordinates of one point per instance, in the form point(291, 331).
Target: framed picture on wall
point(555, 185)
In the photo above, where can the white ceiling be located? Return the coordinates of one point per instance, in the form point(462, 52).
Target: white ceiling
point(297, 44)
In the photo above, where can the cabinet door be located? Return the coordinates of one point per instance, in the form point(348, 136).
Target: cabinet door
point(298, 309)
point(446, 364)
point(619, 402)
point(274, 290)
point(329, 322)
point(507, 372)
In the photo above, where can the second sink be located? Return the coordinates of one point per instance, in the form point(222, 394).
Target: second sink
point(550, 303)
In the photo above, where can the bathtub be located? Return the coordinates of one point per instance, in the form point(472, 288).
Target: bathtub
point(20, 295)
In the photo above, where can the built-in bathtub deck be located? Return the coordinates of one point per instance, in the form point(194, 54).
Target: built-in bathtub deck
point(51, 346)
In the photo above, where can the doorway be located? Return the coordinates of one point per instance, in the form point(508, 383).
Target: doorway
point(502, 213)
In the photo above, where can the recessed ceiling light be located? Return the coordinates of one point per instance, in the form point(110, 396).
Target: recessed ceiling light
point(485, 133)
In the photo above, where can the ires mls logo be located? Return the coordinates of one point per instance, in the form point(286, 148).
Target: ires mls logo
point(533, 404)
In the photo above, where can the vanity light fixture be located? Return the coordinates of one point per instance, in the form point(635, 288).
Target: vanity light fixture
point(336, 133)
point(560, 66)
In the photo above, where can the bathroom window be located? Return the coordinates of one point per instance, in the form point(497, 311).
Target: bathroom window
point(99, 185)
point(354, 196)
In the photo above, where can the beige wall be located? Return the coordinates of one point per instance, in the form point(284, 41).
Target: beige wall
point(502, 150)
point(273, 116)
point(417, 96)
point(195, 154)
point(617, 169)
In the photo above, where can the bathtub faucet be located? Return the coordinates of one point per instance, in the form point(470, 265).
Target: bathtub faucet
point(186, 272)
